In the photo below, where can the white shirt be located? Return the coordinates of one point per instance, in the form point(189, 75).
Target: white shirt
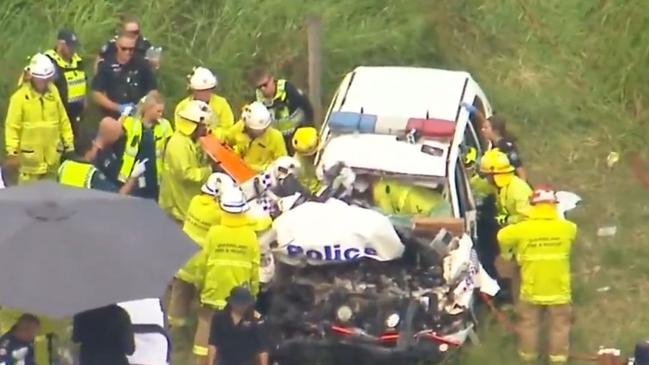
point(150, 348)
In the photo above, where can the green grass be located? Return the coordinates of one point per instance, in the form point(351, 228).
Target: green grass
point(569, 75)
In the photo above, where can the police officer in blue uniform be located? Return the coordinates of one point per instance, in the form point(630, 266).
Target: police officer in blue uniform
point(122, 79)
point(131, 26)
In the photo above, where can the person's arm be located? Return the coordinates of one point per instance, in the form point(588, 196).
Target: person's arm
point(65, 127)
point(99, 86)
point(183, 164)
point(215, 339)
point(226, 117)
point(297, 100)
point(13, 129)
point(262, 358)
point(149, 82)
point(279, 148)
point(507, 241)
point(212, 352)
point(255, 259)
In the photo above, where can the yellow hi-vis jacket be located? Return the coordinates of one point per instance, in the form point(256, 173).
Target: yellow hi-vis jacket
point(396, 197)
point(204, 212)
point(513, 200)
point(307, 176)
point(542, 245)
point(162, 132)
point(73, 73)
point(259, 152)
point(184, 170)
point(37, 129)
point(77, 174)
point(222, 116)
point(231, 258)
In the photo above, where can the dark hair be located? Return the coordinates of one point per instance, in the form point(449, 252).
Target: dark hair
point(84, 141)
point(499, 125)
point(25, 318)
point(258, 73)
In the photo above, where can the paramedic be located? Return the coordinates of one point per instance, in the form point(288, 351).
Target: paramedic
point(512, 206)
point(231, 258)
point(185, 166)
point(237, 335)
point(203, 213)
point(37, 128)
point(122, 79)
point(202, 83)
point(254, 139)
point(495, 130)
point(305, 144)
point(146, 136)
point(289, 107)
point(79, 171)
point(542, 245)
point(70, 77)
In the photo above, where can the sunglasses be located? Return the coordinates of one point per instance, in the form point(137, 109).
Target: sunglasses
point(134, 32)
point(126, 49)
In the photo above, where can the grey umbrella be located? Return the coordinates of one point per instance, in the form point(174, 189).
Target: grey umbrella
point(64, 250)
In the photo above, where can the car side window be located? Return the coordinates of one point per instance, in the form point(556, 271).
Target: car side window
point(463, 189)
point(475, 124)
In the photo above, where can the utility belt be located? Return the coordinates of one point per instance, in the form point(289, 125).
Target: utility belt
point(153, 328)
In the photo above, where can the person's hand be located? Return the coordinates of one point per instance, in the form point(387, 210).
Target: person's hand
point(501, 219)
point(139, 169)
point(12, 162)
point(470, 108)
point(125, 109)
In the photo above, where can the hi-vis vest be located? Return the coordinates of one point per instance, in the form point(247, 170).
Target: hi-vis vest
point(133, 131)
point(77, 174)
point(278, 107)
point(75, 76)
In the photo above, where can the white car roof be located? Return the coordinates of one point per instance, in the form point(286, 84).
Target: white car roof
point(410, 92)
point(381, 153)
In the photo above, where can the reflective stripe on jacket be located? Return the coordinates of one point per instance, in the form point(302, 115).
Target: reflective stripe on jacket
point(75, 76)
point(77, 174)
point(542, 245)
point(162, 131)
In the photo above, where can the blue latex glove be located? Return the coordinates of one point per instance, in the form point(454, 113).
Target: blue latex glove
point(126, 108)
point(470, 108)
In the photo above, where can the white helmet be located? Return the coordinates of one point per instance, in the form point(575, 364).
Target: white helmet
point(41, 67)
point(202, 79)
point(216, 183)
point(232, 200)
point(256, 116)
point(283, 167)
point(196, 111)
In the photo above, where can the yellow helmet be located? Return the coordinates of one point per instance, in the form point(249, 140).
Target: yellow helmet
point(305, 141)
point(495, 162)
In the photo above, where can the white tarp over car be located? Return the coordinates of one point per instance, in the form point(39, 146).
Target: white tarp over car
point(330, 232)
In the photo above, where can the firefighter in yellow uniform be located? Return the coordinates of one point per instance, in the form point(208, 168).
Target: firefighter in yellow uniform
point(37, 128)
point(203, 213)
point(202, 83)
point(400, 198)
point(254, 139)
point(305, 145)
point(185, 167)
point(542, 245)
point(71, 79)
point(231, 257)
point(512, 205)
point(146, 135)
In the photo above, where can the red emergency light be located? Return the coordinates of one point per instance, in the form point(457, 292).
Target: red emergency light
point(432, 128)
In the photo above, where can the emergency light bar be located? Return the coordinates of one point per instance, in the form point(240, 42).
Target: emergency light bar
point(352, 122)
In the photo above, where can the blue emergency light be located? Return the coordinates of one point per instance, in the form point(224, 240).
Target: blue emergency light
point(349, 122)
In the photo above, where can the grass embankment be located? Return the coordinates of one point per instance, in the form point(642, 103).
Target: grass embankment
point(570, 75)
